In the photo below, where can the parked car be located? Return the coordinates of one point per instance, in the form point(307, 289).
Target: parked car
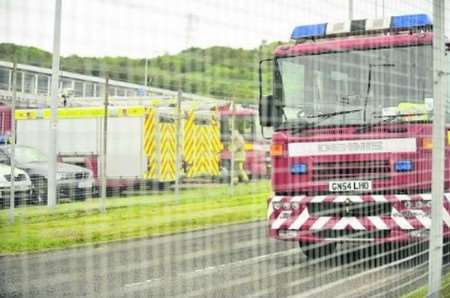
point(73, 182)
point(22, 186)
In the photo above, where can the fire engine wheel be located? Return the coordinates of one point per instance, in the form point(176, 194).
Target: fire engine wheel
point(317, 250)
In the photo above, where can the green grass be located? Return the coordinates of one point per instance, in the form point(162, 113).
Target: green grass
point(423, 291)
point(67, 225)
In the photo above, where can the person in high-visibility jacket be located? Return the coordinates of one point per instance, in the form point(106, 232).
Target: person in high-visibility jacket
point(237, 147)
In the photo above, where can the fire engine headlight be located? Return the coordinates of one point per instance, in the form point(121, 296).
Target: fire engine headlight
point(299, 168)
point(276, 205)
point(420, 204)
point(407, 204)
point(295, 205)
point(416, 208)
point(286, 206)
point(403, 165)
point(419, 233)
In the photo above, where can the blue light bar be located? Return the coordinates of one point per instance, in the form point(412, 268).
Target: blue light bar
point(403, 166)
point(410, 21)
point(299, 168)
point(308, 31)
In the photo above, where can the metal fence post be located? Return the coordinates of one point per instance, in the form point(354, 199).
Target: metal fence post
point(13, 143)
point(104, 147)
point(232, 172)
point(438, 159)
point(51, 187)
point(178, 143)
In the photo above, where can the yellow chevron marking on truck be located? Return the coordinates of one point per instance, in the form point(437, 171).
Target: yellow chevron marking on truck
point(167, 152)
point(149, 142)
point(202, 155)
point(159, 146)
point(149, 131)
point(189, 140)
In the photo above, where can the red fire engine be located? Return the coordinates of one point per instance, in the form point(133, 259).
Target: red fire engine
point(351, 153)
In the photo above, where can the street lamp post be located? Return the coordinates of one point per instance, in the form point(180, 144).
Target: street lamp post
point(438, 157)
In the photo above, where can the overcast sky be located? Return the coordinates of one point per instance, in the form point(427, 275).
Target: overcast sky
point(139, 28)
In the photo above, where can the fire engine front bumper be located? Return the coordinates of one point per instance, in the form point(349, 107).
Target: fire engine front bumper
point(353, 218)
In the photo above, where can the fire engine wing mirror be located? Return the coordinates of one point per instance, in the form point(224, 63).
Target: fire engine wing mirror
point(270, 114)
point(270, 109)
point(266, 111)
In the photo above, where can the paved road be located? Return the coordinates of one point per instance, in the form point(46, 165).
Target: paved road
point(232, 261)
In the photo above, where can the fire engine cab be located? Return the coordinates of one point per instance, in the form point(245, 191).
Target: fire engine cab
point(351, 108)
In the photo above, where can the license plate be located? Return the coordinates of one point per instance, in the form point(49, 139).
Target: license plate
point(346, 186)
point(85, 184)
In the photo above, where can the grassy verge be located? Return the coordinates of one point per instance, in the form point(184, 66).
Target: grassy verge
point(39, 229)
point(423, 291)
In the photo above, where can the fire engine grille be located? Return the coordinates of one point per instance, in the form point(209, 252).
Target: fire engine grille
point(355, 234)
point(345, 170)
point(349, 209)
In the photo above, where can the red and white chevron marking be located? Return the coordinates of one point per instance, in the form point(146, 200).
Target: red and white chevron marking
point(302, 220)
point(358, 199)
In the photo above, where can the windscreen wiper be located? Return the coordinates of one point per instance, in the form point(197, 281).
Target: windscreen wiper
point(332, 114)
point(326, 116)
point(299, 126)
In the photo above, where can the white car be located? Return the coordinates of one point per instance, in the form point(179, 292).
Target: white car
point(22, 186)
point(72, 181)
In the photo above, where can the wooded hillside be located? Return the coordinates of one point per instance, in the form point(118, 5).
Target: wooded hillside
point(217, 71)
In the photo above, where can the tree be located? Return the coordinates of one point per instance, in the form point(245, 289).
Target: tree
point(216, 71)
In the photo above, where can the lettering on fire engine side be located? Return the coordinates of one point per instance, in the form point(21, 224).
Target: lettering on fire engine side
point(352, 147)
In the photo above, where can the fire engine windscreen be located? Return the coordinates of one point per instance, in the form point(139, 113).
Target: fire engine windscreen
point(368, 82)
